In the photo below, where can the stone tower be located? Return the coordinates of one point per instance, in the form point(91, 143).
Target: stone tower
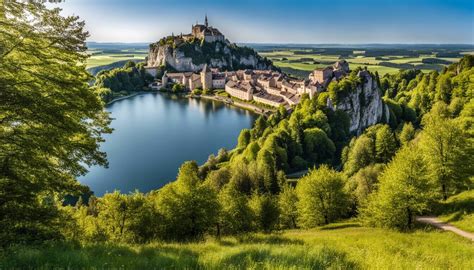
point(206, 78)
point(205, 22)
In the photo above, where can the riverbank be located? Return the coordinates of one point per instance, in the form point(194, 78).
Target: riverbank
point(127, 96)
point(236, 103)
point(225, 100)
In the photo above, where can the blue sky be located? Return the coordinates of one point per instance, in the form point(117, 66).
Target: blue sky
point(278, 21)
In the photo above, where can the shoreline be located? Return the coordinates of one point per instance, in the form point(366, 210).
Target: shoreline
point(125, 97)
point(233, 103)
point(237, 104)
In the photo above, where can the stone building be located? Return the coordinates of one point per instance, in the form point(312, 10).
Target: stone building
point(206, 77)
point(240, 90)
point(206, 32)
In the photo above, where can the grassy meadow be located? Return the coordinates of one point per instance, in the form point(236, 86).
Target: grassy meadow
point(303, 60)
point(459, 210)
point(337, 246)
point(105, 57)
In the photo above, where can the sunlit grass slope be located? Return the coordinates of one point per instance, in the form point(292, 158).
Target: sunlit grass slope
point(340, 246)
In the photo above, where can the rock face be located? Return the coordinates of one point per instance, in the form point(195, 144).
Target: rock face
point(364, 106)
point(192, 56)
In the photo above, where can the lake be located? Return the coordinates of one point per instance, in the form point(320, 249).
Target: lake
point(155, 133)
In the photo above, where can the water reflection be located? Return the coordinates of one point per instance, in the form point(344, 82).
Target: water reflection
point(155, 133)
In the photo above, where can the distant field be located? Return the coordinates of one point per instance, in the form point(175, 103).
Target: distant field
point(106, 57)
point(338, 246)
point(300, 61)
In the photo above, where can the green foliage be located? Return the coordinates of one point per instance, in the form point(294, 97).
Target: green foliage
point(122, 81)
point(458, 210)
point(385, 144)
point(287, 202)
point(360, 154)
point(51, 122)
point(405, 190)
point(235, 215)
point(244, 138)
point(364, 182)
point(177, 88)
point(407, 134)
point(338, 90)
point(321, 196)
point(265, 210)
point(127, 218)
point(317, 146)
point(448, 150)
point(188, 207)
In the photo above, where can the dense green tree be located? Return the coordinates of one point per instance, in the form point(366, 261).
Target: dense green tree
point(448, 150)
point(265, 211)
point(317, 146)
point(287, 202)
point(259, 127)
point(364, 182)
point(244, 138)
point(267, 169)
point(321, 197)
point(127, 218)
point(407, 134)
point(189, 208)
point(217, 179)
point(385, 144)
point(50, 120)
point(360, 155)
point(235, 215)
point(405, 190)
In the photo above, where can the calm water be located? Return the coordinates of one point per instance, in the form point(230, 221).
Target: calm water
point(155, 133)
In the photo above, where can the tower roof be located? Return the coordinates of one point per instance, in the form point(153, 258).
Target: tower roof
point(206, 68)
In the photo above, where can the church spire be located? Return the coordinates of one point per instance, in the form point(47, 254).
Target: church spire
point(205, 21)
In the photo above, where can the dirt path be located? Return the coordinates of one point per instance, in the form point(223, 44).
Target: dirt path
point(445, 226)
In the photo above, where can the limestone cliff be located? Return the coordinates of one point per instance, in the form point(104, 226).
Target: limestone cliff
point(192, 55)
point(364, 105)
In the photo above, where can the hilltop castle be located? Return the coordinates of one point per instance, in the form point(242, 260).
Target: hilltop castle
point(206, 32)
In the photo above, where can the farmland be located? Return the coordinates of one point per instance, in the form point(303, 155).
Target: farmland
point(385, 59)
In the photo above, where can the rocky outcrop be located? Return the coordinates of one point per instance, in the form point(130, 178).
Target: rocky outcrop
point(192, 56)
point(364, 105)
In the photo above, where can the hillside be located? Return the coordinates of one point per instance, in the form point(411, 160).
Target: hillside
point(193, 55)
point(339, 246)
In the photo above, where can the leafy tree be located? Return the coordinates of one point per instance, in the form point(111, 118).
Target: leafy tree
point(244, 138)
point(317, 146)
point(321, 196)
point(447, 149)
point(265, 211)
point(405, 190)
point(364, 182)
point(188, 206)
point(287, 202)
point(259, 127)
point(267, 168)
point(360, 155)
point(217, 179)
point(50, 120)
point(235, 215)
point(385, 144)
point(407, 134)
point(127, 218)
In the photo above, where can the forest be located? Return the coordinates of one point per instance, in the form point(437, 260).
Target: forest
point(52, 122)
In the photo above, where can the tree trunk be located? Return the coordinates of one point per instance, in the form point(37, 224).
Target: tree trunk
point(409, 220)
point(445, 193)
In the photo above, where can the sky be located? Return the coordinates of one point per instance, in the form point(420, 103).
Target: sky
point(281, 21)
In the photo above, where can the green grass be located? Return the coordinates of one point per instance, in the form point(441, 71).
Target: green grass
point(354, 62)
point(459, 211)
point(339, 246)
point(98, 58)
